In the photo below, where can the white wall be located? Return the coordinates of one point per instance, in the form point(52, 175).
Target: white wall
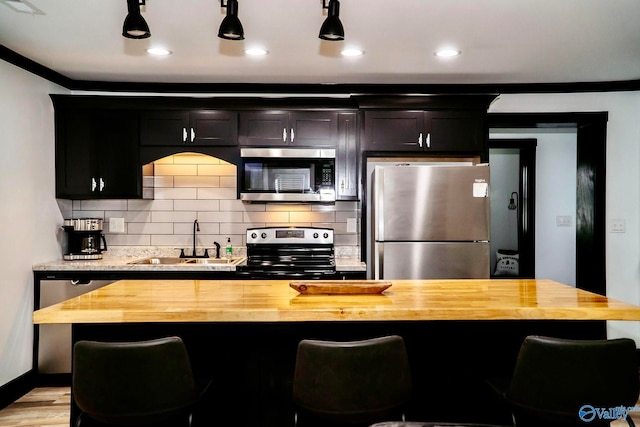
point(623, 182)
point(30, 215)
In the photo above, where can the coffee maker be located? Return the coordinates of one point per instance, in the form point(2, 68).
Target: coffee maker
point(85, 240)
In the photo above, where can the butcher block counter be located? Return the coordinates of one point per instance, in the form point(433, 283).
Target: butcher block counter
point(244, 334)
point(150, 301)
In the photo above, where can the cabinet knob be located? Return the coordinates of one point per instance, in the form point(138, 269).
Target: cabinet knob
point(93, 184)
point(284, 134)
point(429, 140)
point(193, 135)
point(101, 184)
point(420, 140)
point(293, 135)
point(184, 134)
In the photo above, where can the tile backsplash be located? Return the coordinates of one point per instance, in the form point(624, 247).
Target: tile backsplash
point(192, 186)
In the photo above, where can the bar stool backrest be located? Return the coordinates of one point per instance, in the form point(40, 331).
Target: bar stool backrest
point(354, 381)
point(133, 383)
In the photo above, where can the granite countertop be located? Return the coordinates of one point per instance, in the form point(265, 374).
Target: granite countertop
point(120, 260)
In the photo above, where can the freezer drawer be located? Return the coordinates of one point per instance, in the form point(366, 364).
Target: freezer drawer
point(437, 260)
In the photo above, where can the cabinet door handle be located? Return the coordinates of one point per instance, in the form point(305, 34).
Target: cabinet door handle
point(101, 184)
point(284, 134)
point(293, 135)
point(193, 135)
point(429, 140)
point(93, 184)
point(184, 134)
point(420, 140)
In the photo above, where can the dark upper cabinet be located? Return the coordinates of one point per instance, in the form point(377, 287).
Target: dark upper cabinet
point(435, 131)
point(347, 157)
point(292, 129)
point(97, 154)
point(184, 128)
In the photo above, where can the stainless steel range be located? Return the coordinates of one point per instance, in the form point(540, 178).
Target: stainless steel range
point(289, 252)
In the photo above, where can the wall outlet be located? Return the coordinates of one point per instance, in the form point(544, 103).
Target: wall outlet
point(116, 225)
point(352, 225)
point(618, 226)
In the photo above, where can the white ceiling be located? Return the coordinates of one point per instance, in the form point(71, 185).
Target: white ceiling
point(502, 41)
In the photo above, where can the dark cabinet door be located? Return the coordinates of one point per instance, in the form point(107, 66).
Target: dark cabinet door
point(347, 158)
point(218, 128)
point(119, 172)
point(292, 129)
point(97, 155)
point(75, 155)
point(264, 128)
point(313, 129)
point(164, 127)
point(394, 130)
point(177, 128)
point(456, 131)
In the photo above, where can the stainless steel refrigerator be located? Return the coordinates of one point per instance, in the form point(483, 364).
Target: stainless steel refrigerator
point(430, 222)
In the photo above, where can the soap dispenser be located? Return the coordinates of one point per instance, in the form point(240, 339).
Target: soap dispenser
point(229, 249)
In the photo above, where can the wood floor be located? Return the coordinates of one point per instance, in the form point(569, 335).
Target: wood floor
point(49, 406)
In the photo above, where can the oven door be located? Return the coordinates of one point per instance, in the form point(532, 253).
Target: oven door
point(287, 175)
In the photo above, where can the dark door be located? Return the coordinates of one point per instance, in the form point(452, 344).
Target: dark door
point(264, 128)
point(219, 128)
point(313, 129)
point(394, 130)
point(455, 131)
point(164, 127)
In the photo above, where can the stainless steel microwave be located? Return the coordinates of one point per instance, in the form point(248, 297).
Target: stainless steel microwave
point(287, 175)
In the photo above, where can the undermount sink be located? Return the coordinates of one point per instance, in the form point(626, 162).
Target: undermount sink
point(187, 261)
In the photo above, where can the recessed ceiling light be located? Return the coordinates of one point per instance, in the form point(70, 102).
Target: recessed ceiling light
point(158, 51)
point(256, 51)
point(352, 52)
point(447, 53)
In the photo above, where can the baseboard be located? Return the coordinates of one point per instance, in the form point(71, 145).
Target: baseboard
point(15, 389)
point(53, 380)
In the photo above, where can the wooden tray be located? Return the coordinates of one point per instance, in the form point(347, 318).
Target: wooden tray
point(340, 287)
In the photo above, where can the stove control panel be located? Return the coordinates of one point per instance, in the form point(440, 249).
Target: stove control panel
point(289, 235)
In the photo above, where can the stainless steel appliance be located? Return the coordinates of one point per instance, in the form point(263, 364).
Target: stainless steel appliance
point(85, 240)
point(54, 341)
point(429, 222)
point(289, 252)
point(287, 175)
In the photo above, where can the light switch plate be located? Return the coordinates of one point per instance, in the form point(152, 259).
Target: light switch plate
point(352, 225)
point(116, 225)
point(564, 221)
point(618, 226)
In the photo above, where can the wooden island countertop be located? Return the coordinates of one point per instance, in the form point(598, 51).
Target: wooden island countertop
point(157, 301)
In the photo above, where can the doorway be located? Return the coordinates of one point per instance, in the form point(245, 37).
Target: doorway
point(590, 228)
point(513, 181)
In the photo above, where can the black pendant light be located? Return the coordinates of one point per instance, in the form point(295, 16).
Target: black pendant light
point(332, 27)
point(231, 28)
point(135, 27)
